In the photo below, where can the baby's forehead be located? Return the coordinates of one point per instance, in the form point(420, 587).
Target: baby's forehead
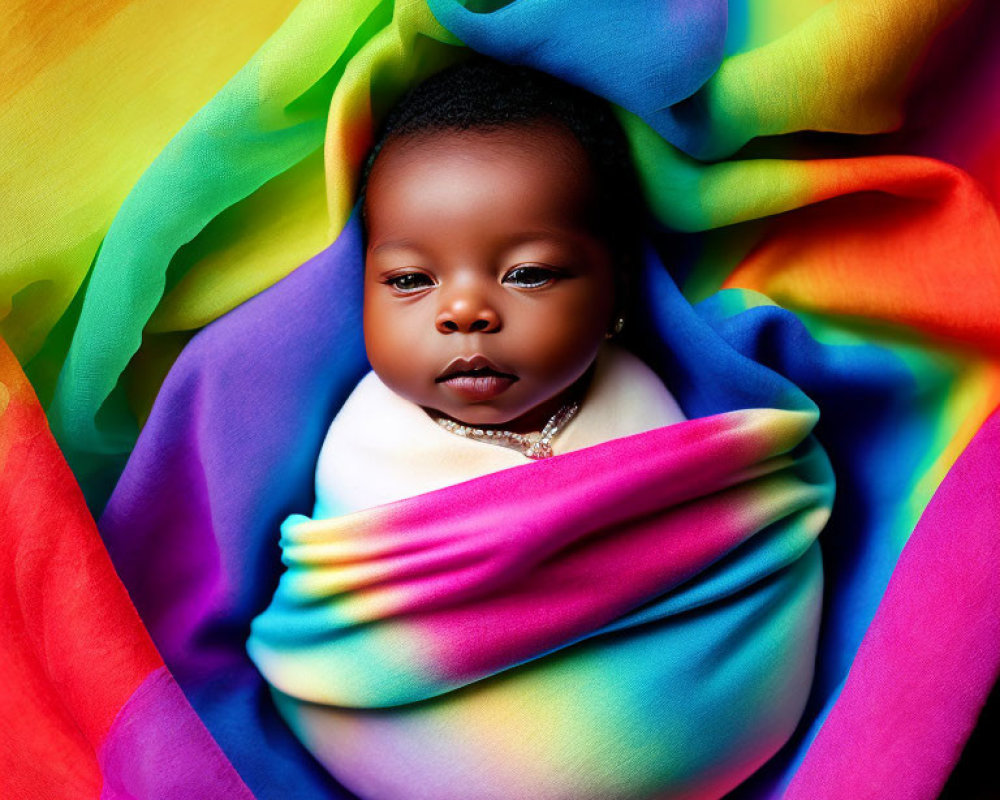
point(540, 161)
point(451, 207)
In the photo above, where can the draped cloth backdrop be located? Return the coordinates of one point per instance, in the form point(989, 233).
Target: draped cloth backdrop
point(180, 306)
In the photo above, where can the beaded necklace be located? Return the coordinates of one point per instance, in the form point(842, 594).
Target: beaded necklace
point(533, 445)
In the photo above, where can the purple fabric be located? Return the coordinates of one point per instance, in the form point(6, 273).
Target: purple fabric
point(157, 748)
point(228, 452)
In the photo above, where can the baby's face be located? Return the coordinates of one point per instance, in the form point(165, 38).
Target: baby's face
point(487, 294)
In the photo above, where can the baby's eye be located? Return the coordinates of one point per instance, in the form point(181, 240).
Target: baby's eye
point(530, 277)
point(410, 282)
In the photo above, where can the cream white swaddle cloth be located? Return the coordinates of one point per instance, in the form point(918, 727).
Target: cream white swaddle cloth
point(381, 447)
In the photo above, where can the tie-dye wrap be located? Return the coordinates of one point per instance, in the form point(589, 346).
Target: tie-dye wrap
point(179, 290)
point(673, 578)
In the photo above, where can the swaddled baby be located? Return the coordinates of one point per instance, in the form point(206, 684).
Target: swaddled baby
point(501, 217)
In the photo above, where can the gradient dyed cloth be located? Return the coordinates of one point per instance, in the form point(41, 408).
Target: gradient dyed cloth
point(180, 288)
point(634, 619)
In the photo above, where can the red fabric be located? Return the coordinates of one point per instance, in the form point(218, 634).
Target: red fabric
point(72, 643)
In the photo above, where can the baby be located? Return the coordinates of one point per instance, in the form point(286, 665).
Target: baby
point(536, 633)
point(501, 217)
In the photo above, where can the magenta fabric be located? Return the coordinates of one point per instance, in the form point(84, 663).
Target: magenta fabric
point(912, 695)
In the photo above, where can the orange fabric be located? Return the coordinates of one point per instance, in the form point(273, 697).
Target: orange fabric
point(920, 236)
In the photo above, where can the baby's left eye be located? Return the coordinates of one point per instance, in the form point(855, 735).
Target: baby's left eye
point(410, 282)
point(530, 277)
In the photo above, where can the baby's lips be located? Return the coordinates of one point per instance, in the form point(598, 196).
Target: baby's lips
point(478, 388)
point(467, 364)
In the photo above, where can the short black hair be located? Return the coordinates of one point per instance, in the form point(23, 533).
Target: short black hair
point(481, 93)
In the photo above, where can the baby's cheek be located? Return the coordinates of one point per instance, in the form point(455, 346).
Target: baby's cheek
point(585, 320)
point(392, 343)
point(561, 351)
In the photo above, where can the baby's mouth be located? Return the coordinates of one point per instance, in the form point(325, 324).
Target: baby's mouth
point(478, 385)
point(476, 378)
point(477, 366)
point(482, 372)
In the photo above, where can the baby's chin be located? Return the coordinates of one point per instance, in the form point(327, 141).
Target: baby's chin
point(512, 409)
point(481, 415)
point(516, 409)
point(475, 415)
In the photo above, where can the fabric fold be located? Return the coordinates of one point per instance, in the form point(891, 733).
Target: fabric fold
point(424, 595)
point(87, 707)
point(202, 292)
point(695, 543)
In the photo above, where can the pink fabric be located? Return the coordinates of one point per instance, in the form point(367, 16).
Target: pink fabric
point(932, 650)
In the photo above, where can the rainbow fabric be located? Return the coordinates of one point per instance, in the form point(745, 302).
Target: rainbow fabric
point(180, 295)
point(635, 619)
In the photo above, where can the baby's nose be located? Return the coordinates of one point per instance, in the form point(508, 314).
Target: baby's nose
point(467, 315)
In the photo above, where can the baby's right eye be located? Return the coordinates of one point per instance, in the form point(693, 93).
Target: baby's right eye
point(410, 282)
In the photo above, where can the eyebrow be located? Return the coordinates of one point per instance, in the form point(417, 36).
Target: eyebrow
point(536, 236)
point(511, 241)
point(395, 244)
